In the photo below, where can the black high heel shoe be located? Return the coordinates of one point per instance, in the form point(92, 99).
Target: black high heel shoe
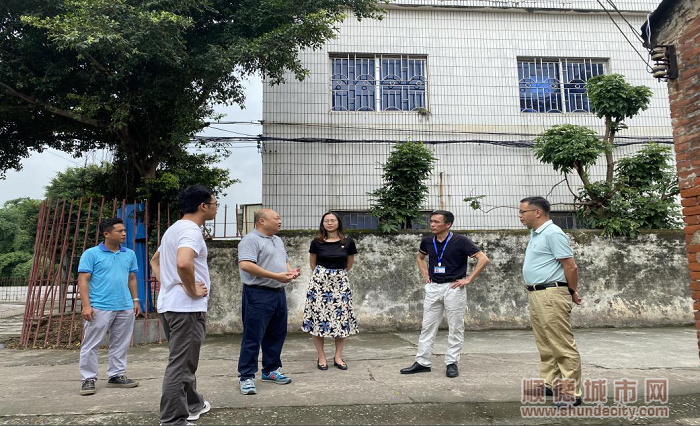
point(321, 367)
point(343, 366)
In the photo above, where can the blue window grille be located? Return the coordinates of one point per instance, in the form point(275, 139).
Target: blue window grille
point(353, 84)
point(357, 219)
point(363, 219)
point(378, 83)
point(402, 84)
point(556, 85)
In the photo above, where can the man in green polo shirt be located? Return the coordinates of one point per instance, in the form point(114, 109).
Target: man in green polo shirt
point(551, 278)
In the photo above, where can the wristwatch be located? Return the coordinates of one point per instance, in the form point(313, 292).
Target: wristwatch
point(135, 299)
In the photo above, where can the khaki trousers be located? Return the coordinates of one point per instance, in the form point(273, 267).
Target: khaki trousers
point(550, 316)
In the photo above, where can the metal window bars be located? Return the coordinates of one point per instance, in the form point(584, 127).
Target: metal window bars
point(378, 82)
point(556, 85)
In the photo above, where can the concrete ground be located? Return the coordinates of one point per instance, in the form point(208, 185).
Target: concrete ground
point(41, 386)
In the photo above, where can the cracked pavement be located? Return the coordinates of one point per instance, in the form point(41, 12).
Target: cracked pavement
point(41, 386)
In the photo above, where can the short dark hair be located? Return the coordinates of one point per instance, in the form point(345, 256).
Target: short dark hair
point(192, 197)
point(449, 217)
point(539, 202)
point(108, 224)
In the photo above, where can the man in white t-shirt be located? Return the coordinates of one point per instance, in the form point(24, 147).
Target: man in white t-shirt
point(180, 265)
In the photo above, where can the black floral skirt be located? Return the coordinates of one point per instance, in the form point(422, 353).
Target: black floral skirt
point(328, 311)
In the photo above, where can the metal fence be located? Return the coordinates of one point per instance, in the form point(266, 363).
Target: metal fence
point(65, 229)
point(302, 180)
point(13, 289)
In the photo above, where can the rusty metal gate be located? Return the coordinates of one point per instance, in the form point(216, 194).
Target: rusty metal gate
point(65, 229)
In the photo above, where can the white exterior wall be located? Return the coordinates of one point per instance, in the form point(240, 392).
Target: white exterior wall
point(556, 5)
point(473, 92)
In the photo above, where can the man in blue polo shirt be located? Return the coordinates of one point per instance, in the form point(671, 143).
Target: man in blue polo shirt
point(551, 278)
point(107, 284)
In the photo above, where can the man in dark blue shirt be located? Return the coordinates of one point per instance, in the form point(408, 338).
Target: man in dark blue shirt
point(445, 275)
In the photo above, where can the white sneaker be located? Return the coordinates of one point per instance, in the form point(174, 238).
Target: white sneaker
point(204, 410)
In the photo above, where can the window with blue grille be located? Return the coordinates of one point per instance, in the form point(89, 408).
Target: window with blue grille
point(378, 83)
point(363, 219)
point(556, 85)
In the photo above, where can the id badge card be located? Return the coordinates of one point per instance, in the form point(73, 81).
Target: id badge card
point(439, 270)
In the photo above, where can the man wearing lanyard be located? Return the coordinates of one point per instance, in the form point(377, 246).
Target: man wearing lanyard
point(445, 276)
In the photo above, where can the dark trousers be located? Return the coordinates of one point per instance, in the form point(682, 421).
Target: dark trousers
point(185, 333)
point(264, 325)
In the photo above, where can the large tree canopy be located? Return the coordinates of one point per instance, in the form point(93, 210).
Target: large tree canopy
point(141, 77)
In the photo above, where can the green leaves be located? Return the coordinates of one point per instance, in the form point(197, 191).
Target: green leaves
point(568, 147)
point(141, 77)
point(611, 97)
point(18, 220)
point(177, 172)
point(641, 196)
point(640, 193)
point(474, 202)
point(396, 203)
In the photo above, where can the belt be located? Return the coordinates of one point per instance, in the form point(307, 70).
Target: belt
point(546, 285)
point(445, 282)
point(260, 287)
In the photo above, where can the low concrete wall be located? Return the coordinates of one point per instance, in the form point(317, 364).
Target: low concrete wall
point(145, 331)
point(624, 282)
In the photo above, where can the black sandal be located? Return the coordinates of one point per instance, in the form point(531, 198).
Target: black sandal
point(321, 367)
point(343, 366)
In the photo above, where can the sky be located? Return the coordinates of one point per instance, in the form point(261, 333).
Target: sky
point(244, 163)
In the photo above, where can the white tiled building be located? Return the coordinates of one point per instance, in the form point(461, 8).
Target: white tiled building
point(472, 78)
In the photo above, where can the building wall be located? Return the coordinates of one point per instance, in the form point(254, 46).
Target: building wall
point(473, 101)
point(552, 5)
point(624, 283)
point(682, 30)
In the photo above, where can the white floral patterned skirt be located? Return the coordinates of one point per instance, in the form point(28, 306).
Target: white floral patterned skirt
point(328, 311)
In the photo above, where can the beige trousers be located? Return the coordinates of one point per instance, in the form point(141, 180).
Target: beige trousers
point(550, 316)
point(452, 302)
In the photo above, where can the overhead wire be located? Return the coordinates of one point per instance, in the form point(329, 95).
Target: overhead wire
point(646, 61)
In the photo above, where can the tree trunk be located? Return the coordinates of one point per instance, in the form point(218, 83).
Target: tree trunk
point(144, 165)
point(582, 174)
point(609, 138)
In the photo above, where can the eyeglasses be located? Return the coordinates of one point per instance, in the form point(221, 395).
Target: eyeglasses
point(330, 221)
point(217, 203)
point(525, 211)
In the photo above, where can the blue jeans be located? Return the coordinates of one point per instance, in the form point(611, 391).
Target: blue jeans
point(264, 325)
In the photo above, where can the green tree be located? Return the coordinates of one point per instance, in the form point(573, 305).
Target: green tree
point(90, 181)
point(615, 100)
point(396, 203)
point(18, 220)
point(104, 180)
point(640, 193)
point(569, 148)
point(141, 78)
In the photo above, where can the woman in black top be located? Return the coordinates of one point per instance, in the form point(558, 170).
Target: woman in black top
point(328, 311)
